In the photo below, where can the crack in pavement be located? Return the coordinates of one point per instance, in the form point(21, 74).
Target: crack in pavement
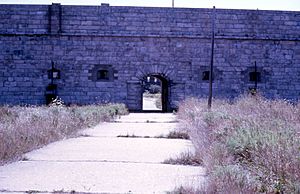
point(56, 191)
point(93, 161)
point(143, 122)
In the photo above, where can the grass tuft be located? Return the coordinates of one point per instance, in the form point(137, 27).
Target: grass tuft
point(175, 135)
point(185, 190)
point(130, 136)
point(178, 135)
point(185, 158)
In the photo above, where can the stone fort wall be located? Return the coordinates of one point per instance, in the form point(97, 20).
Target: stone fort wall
point(132, 42)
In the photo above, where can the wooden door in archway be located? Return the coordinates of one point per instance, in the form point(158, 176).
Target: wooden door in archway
point(134, 100)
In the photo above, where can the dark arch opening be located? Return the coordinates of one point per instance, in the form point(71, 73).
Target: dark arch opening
point(155, 93)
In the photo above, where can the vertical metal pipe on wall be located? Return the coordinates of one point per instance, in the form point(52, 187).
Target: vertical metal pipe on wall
point(211, 59)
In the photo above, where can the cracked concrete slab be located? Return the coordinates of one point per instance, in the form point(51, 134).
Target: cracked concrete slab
point(137, 129)
point(101, 162)
point(150, 150)
point(148, 118)
point(97, 177)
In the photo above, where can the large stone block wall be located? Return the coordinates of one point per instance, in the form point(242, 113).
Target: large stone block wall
point(133, 42)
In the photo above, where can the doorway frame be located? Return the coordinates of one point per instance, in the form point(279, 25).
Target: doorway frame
point(164, 92)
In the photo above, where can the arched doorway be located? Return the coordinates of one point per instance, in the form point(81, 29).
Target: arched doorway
point(154, 93)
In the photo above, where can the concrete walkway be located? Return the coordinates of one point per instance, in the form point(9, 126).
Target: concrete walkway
point(149, 103)
point(100, 162)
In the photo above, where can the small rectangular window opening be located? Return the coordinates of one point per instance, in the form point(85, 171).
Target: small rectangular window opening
point(205, 75)
point(102, 75)
point(255, 76)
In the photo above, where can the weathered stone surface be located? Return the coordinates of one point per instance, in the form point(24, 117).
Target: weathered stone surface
point(135, 42)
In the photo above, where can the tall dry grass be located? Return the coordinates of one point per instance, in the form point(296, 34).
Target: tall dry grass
point(23, 129)
point(249, 146)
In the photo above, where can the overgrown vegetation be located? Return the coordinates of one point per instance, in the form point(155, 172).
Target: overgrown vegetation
point(176, 134)
point(249, 146)
point(185, 158)
point(23, 129)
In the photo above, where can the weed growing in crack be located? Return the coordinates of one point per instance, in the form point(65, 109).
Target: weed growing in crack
point(178, 135)
point(132, 136)
point(84, 135)
point(62, 191)
point(171, 135)
point(185, 158)
point(129, 136)
point(185, 190)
